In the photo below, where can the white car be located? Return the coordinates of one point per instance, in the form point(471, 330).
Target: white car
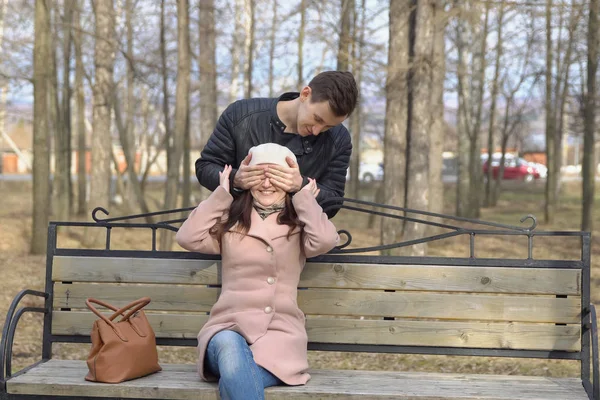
point(369, 172)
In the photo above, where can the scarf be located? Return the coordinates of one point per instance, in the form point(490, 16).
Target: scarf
point(264, 212)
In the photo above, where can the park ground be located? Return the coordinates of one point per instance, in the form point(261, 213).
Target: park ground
point(19, 270)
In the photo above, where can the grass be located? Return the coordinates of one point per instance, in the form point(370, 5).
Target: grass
point(20, 270)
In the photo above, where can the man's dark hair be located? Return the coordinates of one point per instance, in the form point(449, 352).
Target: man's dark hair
point(336, 87)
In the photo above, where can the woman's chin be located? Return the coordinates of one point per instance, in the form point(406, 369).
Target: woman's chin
point(268, 201)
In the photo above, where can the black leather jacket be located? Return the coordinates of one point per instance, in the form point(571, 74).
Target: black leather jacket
point(247, 123)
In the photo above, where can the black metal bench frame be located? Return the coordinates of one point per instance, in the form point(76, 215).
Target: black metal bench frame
point(589, 330)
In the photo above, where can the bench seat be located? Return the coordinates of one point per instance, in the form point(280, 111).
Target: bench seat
point(180, 381)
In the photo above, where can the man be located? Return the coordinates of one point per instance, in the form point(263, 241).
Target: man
point(309, 123)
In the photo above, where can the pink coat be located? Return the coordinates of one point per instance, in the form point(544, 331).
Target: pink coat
point(260, 275)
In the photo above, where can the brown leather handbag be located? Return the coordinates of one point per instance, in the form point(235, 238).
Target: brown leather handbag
point(121, 350)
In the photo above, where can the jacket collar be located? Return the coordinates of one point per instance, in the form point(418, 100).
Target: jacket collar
point(278, 123)
point(267, 229)
point(296, 143)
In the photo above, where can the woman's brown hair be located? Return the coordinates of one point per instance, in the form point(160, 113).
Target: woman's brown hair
point(240, 213)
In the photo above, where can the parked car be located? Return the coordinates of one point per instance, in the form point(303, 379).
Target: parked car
point(369, 172)
point(514, 168)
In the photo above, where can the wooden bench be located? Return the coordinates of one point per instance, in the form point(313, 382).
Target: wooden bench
point(469, 306)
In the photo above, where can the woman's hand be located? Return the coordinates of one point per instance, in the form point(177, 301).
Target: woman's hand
point(224, 177)
point(312, 187)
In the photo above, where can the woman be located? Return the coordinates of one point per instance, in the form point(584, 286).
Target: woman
point(255, 336)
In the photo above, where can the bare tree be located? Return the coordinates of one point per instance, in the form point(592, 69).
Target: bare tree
point(464, 117)
point(249, 46)
point(3, 81)
point(344, 41)
point(494, 96)
point(62, 160)
point(41, 156)
point(551, 181)
point(563, 70)
point(358, 39)
point(104, 54)
point(436, 132)
point(301, 32)
point(236, 50)
point(396, 117)
point(181, 114)
point(272, 43)
point(165, 84)
point(208, 69)
point(417, 176)
point(131, 198)
point(127, 145)
point(80, 106)
point(589, 163)
point(478, 85)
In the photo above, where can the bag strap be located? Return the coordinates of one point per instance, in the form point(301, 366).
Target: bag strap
point(93, 309)
point(137, 305)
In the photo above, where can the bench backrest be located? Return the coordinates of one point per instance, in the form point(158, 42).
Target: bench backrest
point(430, 305)
point(347, 302)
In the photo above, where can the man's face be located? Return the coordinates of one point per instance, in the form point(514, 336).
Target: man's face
point(314, 118)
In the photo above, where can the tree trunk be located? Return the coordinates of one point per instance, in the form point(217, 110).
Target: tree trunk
point(589, 164)
point(127, 146)
point(80, 105)
point(165, 86)
point(301, 32)
point(249, 46)
point(236, 50)
point(181, 114)
point(356, 119)
point(208, 73)
point(62, 160)
point(41, 155)
point(104, 54)
point(417, 196)
point(344, 41)
point(3, 89)
point(396, 117)
point(130, 196)
point(494, 96)
point(562, 93)
point(475, 175)
point(550, 193)
point(272, 43)
point(464, 118)
point(57, 183)
point(436, 132)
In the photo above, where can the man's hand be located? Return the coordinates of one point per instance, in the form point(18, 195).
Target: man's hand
point(285, 178)
point(246, 176)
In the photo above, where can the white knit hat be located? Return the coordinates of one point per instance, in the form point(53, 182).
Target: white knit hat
point(270, 153)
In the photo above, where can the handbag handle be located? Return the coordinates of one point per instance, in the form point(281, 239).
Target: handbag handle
point(137, 305)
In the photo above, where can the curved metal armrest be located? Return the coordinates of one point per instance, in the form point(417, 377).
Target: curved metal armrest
point(10, 326)
point(594, 334)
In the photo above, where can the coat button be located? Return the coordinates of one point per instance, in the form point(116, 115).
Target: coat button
point(269, 249)
point(271, 280)
point(268, 309)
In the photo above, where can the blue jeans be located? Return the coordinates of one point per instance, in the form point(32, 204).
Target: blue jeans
point(229, 358)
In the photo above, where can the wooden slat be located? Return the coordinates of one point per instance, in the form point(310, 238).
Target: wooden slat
point(181, 382)
point(356, 331)
point(451, 306)
point(135, 270)
point(440, 305)
point(330, 275)
point(164, 297)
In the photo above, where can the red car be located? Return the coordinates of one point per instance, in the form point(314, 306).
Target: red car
point(514, 168)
